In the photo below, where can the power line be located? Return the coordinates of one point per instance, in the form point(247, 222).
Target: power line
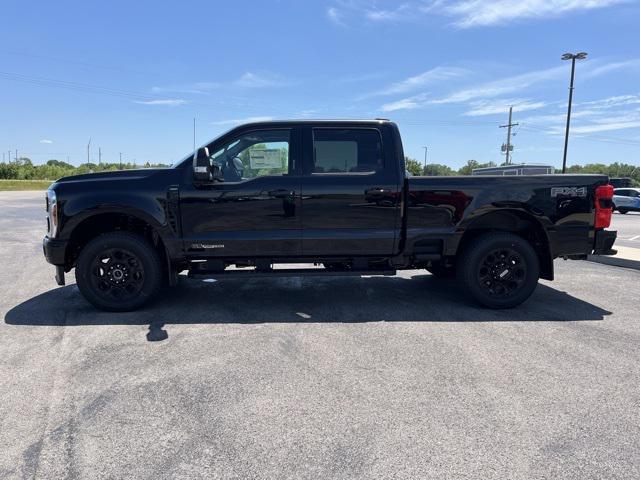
point(89, 88)
point(584, 136)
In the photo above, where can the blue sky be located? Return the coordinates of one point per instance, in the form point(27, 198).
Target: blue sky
point(133, 75)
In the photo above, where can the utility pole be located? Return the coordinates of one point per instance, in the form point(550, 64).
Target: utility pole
point(120, 160)
point(16, 154)
point(99, 155)
point(425, 160)
point(573, 58)
point(88, 147)
point(507, 148)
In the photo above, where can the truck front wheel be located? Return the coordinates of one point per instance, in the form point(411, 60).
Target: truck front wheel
point(500, 270)
point(118, 272)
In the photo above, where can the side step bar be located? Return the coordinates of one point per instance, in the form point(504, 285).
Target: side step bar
point(289, 272)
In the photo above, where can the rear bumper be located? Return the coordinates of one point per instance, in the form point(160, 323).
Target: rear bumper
point(603, 244)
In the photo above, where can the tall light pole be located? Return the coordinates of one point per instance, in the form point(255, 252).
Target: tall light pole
point(88, 149)
point(573, 58)
point(425, 159)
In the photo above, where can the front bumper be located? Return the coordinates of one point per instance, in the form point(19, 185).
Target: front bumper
point(54, 252)
point(604, 242)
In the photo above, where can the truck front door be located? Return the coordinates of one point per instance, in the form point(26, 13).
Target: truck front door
point(255, 211)
point(350, 192)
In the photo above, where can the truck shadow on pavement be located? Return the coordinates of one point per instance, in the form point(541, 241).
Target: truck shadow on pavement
point(421, 298)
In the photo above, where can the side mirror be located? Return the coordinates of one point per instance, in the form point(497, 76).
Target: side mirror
point(202, 166)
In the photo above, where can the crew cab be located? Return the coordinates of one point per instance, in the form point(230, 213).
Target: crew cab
point(332, 196)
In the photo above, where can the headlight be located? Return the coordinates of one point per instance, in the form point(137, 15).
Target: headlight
point(52, 209)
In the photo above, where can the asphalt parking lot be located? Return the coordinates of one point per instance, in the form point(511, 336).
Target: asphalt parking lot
point(628, 226)
point(396, 377)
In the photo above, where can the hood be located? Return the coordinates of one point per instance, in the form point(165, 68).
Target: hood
point(114, 175)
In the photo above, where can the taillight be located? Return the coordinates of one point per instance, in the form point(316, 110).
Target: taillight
point(604, 205)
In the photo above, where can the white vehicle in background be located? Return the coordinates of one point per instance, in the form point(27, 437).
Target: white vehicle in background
point(626, 200)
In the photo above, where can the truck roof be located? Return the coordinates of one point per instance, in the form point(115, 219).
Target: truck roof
point(297, 121)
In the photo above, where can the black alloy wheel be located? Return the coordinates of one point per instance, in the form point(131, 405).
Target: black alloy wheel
point(502, 272)
point(117, 274)
point(499, 270)
point(119, 271)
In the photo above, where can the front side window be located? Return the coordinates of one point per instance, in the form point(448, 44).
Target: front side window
point(346, 151)
point(254, 154)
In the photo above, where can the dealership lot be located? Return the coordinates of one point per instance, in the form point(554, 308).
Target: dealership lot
point(628, 226)
point(394, 377)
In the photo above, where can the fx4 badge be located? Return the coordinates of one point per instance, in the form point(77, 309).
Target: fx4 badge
point(568, 191)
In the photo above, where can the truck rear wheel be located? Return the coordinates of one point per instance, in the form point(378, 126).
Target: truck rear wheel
point(500, 270)
point(118, 272)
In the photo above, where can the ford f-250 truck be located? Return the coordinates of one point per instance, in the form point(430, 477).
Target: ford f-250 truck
point(330, 194)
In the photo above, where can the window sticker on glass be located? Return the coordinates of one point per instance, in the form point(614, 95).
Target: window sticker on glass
point(265, 158)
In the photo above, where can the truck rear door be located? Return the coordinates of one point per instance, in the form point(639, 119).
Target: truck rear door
point(350, 191)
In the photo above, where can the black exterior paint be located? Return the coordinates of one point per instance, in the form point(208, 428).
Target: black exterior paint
point(300, 215)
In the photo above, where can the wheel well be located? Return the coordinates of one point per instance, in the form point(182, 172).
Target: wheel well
point(519, 223)
point(99, 224)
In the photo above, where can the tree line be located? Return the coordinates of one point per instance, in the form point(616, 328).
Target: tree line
point(24, 169)
point(613, 170)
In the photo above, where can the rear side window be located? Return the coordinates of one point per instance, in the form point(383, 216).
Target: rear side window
point(346, 151)
point(622, 193)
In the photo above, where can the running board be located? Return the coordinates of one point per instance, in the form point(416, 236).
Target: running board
point(289, 272)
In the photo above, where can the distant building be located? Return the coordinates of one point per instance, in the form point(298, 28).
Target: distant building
point(514, 169)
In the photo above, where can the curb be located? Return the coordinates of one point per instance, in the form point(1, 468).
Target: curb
point(615, 261)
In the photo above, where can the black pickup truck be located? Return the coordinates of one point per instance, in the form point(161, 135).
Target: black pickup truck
point(333, 195)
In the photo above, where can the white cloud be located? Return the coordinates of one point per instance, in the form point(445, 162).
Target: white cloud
point(618, 112)
point(465, 13)
point(172, 102)
point(500, 107)
point(429, 77)
point(255, 80)
point(480, 97)
point(610, 102)
point(46, 140)
point(518, 83)
point(409, 103)
point(601, 69)
point(605, 127)
point(474, 13)
point(238, 121)
point(557, 118)
point(504, 86)
point(335, 16)
point(400, 13)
